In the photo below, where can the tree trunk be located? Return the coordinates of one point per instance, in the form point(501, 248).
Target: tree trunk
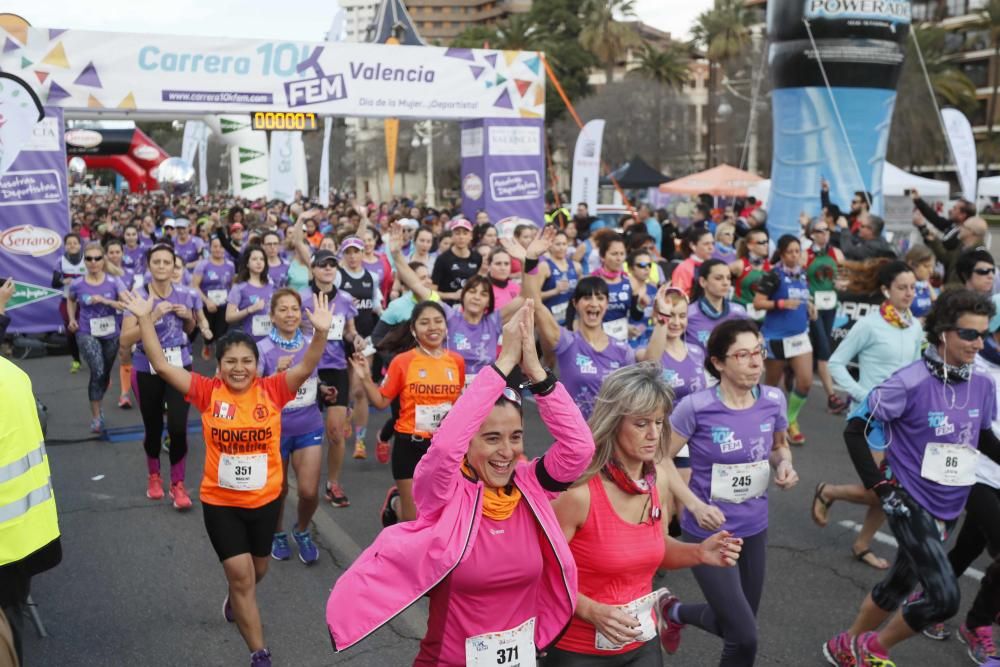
point(609, 72)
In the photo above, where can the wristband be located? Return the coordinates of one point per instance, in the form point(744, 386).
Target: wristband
point(530, 265)
point(499, 372)
point(543, 388)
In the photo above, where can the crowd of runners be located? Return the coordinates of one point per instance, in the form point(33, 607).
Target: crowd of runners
point(670, 360)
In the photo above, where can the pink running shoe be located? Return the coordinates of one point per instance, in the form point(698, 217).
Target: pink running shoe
point(180, 496)
point(868, 654)
point(154, 490)
point(980, 642)
point(668, 629)
point(838, 651)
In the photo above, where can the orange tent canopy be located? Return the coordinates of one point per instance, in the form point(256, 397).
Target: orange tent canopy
point(721, 181)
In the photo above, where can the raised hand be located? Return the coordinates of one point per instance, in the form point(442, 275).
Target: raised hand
point(510, 355)
point(395, 239)
point(530, 363)
point(513, 248)
point(321, 316)
point(136, 304)
point(540, 245)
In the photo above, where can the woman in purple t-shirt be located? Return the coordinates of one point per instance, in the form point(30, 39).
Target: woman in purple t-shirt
point(250, 296)
point(710, 304)
point(933, 420)
point(174, 319)
point(736, 433)
point(95, 319)
point(213, 278)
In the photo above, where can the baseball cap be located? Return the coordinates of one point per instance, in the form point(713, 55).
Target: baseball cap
point(182, 222)
point(460, 223)
point(322, 256)
point(408, 223)
point(352, 242)
point(169, 222)
point(235, 226)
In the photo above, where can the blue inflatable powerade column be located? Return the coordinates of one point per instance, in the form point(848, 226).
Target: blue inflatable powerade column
point(860, 44)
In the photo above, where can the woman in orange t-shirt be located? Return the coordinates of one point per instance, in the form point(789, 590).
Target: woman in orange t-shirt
point(427, 379)
point(241, 423)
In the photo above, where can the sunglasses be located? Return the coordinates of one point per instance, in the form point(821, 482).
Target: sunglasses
point(93, 258)
point(984, 272)
point(969, 335)
point(820, 229)
point(512, 395)
point(329, 264)
point(642, 265)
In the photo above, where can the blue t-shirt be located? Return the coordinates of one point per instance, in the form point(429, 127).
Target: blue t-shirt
point(558, 304)
point(779, 324)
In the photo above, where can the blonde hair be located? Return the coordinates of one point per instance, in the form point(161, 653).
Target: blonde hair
point(723, 227)
point(638, 389)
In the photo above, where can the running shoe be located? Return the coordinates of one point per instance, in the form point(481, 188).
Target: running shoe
point(838, 651)
point(154, 490)
point(279, 547)
point(979, 640)
point(308, 553)
point(227, 610)
point(359, 450)
point(388, 514)
point(835, 404)
point(382, 451)
point(938, 632)
point(97, 425)
point(124, 402)
point(180, 496)
point(668, 629)
point(261, 658)
point(336, 496)
point(74, 367)
point(867, 655)
point(795, 436)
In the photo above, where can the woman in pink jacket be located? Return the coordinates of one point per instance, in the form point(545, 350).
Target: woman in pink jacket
point(496, 567)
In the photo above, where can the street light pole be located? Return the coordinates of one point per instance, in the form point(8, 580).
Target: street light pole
point(430, 191)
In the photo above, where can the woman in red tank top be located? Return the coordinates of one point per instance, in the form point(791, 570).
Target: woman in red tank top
point(613, 520)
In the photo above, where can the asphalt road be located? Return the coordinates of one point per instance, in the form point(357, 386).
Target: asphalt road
point(140, 584)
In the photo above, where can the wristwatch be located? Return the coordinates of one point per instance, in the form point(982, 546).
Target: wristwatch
point(543, 388)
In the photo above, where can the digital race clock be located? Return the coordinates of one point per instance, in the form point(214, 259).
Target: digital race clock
point(285, 120)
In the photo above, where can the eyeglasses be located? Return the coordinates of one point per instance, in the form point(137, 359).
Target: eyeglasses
point(969, 335)
point(511, 395)
point(743, 356)
point(642, 265)
point(93, 258)
point(820, 229)
point(758, 242)
point(985, 272)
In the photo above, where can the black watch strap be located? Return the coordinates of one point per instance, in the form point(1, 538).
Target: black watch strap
point(543, 388)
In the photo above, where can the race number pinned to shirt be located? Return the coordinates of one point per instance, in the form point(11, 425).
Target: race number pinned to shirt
point(559, 311)
point(305, 396)
point(260, 325)
point(739, 482)
point(617, 329)
point(644, 609)
point(825, 300)
point(429, 417)
point(217, 296)
point(243, 472)
point(795, 346)
point(510, 648)
point(174, 358)
point(336, 331)
point(949, 465)
point(101, 327)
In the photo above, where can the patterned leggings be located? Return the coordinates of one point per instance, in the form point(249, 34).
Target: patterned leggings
point(99, 354)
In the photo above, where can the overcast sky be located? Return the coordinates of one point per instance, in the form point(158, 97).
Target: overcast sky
point(305, 20)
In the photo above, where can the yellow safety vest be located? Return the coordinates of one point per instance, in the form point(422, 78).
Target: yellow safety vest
point(27, 504)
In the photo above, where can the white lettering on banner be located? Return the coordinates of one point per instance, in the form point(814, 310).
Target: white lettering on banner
point(895, 10)
point(40, 186)
point(515, 140)
point(472, 142)
point(515, 185)
point(169, 73)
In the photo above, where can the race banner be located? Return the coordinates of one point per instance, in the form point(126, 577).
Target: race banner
point(587, 163)
point(86, 70)
point(34, 216)
point(503, 170)
point(963, 150)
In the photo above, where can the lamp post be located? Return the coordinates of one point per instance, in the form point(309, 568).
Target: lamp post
point(423, 135)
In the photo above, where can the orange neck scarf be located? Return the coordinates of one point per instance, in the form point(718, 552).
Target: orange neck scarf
point(498, 504)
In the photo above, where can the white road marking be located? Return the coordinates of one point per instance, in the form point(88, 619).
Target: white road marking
point(881, 537)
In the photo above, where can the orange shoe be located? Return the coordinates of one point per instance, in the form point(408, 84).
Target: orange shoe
point(795, 436)
point(180, 496)
point(154, 490)
point(382, 451)
point(360, 452)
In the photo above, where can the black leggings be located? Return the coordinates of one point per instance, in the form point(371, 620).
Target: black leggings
point(217, 322)
point(726, 613)
point(99, 353)
point(153, 393)
point(981, 530)
point(74, 349)
point(919, 558)
point(647, 655)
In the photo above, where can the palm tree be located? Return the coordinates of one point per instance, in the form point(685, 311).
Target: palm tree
point(518, 33)
point(605, 35)
point(990, 20)
point(669, 67)
point(723, 32)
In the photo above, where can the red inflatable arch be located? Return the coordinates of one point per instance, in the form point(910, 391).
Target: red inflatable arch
point(129, 152)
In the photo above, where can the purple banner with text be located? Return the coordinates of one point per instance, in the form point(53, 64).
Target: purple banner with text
point(34, 216)
point(503, 171)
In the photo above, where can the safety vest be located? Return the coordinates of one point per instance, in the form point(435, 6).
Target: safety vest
point(549, 217)
point(27, 505)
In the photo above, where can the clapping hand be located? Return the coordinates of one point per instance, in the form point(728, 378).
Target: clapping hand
point(138, 306)
point(530, 363)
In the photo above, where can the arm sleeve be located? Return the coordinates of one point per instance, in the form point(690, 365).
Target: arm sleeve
point(573, 449)
point(381, 329)
point(200, 393)
point(887, 402)
point(848, 350)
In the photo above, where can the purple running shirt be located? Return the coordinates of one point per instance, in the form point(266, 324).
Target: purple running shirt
point(687, 375)
point(170, 332)
point(107, 322)
point(302, 414)
point(582, 369)
point(476, 343)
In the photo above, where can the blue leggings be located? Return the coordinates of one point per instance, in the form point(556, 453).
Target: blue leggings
point(727, 613)
point(99, 354)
